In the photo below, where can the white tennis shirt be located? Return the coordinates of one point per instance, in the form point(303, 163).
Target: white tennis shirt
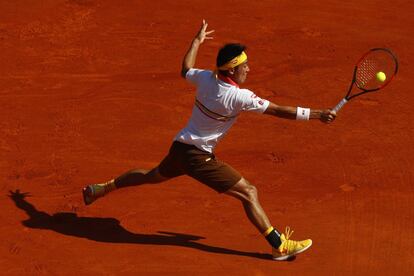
point(216, 98)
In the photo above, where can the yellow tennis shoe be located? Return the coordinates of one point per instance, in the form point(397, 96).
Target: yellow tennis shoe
point(289, 248)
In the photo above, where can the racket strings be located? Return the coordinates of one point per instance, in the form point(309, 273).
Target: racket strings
point(366, 73)
point(376, 61)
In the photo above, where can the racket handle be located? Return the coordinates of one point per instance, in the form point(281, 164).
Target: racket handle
point(340, 105)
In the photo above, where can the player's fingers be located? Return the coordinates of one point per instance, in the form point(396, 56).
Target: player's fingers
point(203, 26)
point(210, 32)
point(327, 118)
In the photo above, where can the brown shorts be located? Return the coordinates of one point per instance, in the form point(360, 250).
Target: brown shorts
point(200, 165)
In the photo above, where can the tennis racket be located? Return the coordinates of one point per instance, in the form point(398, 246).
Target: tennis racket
point(373, 71)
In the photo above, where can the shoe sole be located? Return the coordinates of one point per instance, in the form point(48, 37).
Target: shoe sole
point(87, 195)
point(285, 257)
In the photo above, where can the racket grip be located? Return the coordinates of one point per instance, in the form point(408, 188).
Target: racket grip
point(340, 105)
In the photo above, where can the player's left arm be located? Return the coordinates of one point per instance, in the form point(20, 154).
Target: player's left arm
point(191, 55)
point(289, 112)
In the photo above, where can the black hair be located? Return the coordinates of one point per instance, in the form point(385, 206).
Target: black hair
point(228, 52)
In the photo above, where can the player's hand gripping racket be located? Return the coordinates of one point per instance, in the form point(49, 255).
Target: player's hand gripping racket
point(373, 71)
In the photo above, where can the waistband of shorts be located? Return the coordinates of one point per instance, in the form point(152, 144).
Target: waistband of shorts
point(190, 147)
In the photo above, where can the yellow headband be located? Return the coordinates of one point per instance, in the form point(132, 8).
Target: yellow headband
point(234, 62)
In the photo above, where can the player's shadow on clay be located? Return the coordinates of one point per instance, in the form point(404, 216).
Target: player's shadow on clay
point(110, 230)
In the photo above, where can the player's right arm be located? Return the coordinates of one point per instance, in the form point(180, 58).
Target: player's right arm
point(289, 112)
point(191, 55)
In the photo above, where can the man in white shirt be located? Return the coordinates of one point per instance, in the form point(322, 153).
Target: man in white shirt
point(219, 100)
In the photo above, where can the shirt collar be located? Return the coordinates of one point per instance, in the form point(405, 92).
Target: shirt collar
point(227, 80)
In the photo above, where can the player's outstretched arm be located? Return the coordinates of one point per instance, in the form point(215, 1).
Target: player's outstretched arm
point(191, 55)
point(289, 112)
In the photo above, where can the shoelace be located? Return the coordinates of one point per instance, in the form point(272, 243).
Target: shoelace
point(288, 233)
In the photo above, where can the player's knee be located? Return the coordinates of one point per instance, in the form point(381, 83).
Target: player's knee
point(244, 191)
point(154, 176)
point(250, 193)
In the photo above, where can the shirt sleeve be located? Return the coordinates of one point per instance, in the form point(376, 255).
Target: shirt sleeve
point(195, 76)
point(251, 102)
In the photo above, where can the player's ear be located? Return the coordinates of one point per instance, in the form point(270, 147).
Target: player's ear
point(231, 71)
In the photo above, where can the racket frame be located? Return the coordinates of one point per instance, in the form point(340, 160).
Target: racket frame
point(363, 91)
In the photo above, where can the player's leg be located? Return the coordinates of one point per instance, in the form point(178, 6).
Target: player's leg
point(138, 177)
point(283, 248)
point(169, 167)
point(131, 178)
point(247, 194)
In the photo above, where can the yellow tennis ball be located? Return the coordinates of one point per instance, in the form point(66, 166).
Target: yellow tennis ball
point(381, 76)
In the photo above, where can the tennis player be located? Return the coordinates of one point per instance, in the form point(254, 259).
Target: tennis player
point(219, 100)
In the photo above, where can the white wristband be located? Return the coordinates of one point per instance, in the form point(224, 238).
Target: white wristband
point(302, 113)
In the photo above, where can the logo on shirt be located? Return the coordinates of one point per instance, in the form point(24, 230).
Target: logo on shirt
point(254, 96)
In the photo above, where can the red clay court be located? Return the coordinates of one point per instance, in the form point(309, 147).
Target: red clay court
point(90, 89)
